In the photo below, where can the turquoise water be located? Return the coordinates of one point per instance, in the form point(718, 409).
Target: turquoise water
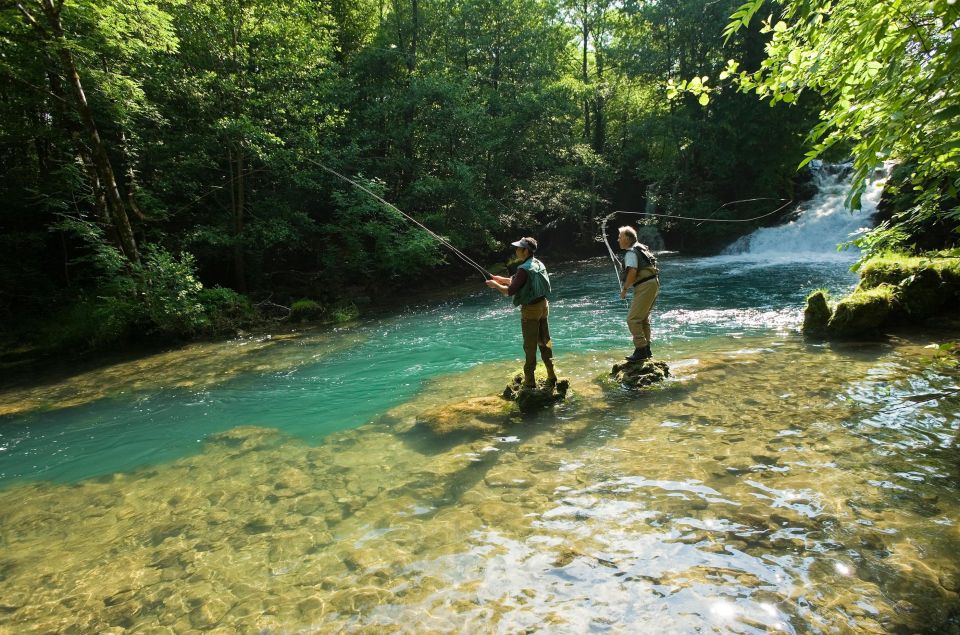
point(367, 480)
point(388, 361)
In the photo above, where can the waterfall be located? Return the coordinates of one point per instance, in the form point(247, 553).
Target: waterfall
point(823, 223)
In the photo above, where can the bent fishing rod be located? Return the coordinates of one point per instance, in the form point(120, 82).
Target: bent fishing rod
point(462, 256)
point(708, 219)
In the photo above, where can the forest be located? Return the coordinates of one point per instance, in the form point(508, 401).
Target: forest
point(162, 163)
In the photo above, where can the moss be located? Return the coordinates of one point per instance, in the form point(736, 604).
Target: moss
point(926, 285)
point(533, 399)
point(817, 313)
point(893, 268)
point(640, 374)
point(923, 294)
point(305, 310)
point(480, 415)
point(862, 313)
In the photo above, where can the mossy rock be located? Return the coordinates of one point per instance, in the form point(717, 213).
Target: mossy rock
point(923, 294)
point(545, 393)
point(480, 415)
point(640, 374)
point(862, 313)
point(305, 310)
point(895, 268)
point(817, 313)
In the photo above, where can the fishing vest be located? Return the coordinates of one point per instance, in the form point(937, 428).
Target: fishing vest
point(645, 257)
point(537, 284)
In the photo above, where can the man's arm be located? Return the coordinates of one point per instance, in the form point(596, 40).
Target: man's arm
point(497, 286)
point(508, 286)
point(628, 283)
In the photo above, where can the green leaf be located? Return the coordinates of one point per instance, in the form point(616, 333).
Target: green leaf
point(704, 99)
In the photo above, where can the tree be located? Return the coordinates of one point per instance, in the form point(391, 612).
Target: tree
point(94, 31)
point(887, 74)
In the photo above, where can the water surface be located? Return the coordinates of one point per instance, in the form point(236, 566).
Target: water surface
point(284, 485)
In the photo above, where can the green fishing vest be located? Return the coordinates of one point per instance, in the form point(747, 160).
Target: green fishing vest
point(537, 285)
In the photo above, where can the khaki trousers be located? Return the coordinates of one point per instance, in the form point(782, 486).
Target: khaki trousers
point(536, 334)
point(638, 319)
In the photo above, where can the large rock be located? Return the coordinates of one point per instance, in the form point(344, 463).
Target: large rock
point(863, 313)
point(923, 294)
point(816, 314)
point(545, 393)
point(478, 415)
point(640, 374)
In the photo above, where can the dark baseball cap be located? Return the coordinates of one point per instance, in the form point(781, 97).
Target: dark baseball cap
point(527, 243)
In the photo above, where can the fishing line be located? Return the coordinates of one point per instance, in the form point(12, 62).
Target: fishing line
point(465, 258)
point(709, 219)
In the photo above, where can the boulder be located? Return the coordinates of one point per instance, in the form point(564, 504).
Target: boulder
point(479, 415)
point(640, 374)
point(862, 313)
point(816, 314)
point(923, 294)
point(545, 393)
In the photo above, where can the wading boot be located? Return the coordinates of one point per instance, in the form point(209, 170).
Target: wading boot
point(528, 380)
point(639, 354)
point(551, 375)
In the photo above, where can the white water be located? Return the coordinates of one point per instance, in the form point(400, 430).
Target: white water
point(825, 221)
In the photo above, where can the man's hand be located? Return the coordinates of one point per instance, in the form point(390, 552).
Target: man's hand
point(501, 279)
point(623, 293)
point(493, 284)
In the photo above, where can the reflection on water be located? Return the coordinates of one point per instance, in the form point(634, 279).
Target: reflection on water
point(773, 486)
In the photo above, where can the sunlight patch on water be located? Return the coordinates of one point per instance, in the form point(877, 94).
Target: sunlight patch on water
point(592, 517)
point(778, 319)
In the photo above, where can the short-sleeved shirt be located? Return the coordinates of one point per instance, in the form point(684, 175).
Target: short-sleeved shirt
point(631, 259)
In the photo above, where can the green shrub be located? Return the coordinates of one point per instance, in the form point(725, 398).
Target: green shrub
point(169, 293)
point(225, 310)
point(345, 312)
point(305, 310)
point(91, 324)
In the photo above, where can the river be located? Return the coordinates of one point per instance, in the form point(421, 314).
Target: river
point(282, 484)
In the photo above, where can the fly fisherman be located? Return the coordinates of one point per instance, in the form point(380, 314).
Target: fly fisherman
point(642, 272)
point(529, 287)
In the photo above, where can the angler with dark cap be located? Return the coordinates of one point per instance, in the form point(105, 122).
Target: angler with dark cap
point(529, 288)
point(642, 277)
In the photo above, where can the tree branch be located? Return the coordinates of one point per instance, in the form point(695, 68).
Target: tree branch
point(32, 21)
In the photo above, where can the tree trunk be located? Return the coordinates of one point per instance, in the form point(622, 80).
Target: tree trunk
point(101, 161)
point(237, 203)
point(599, 120)
point(99, 197)
point(132, 186)
point(586, 75)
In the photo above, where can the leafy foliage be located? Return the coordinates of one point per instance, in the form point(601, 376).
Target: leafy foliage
point(887, 73)
point(481, 119)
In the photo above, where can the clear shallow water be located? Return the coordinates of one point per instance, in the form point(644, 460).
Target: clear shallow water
point(772, 486)
point(312, 385)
